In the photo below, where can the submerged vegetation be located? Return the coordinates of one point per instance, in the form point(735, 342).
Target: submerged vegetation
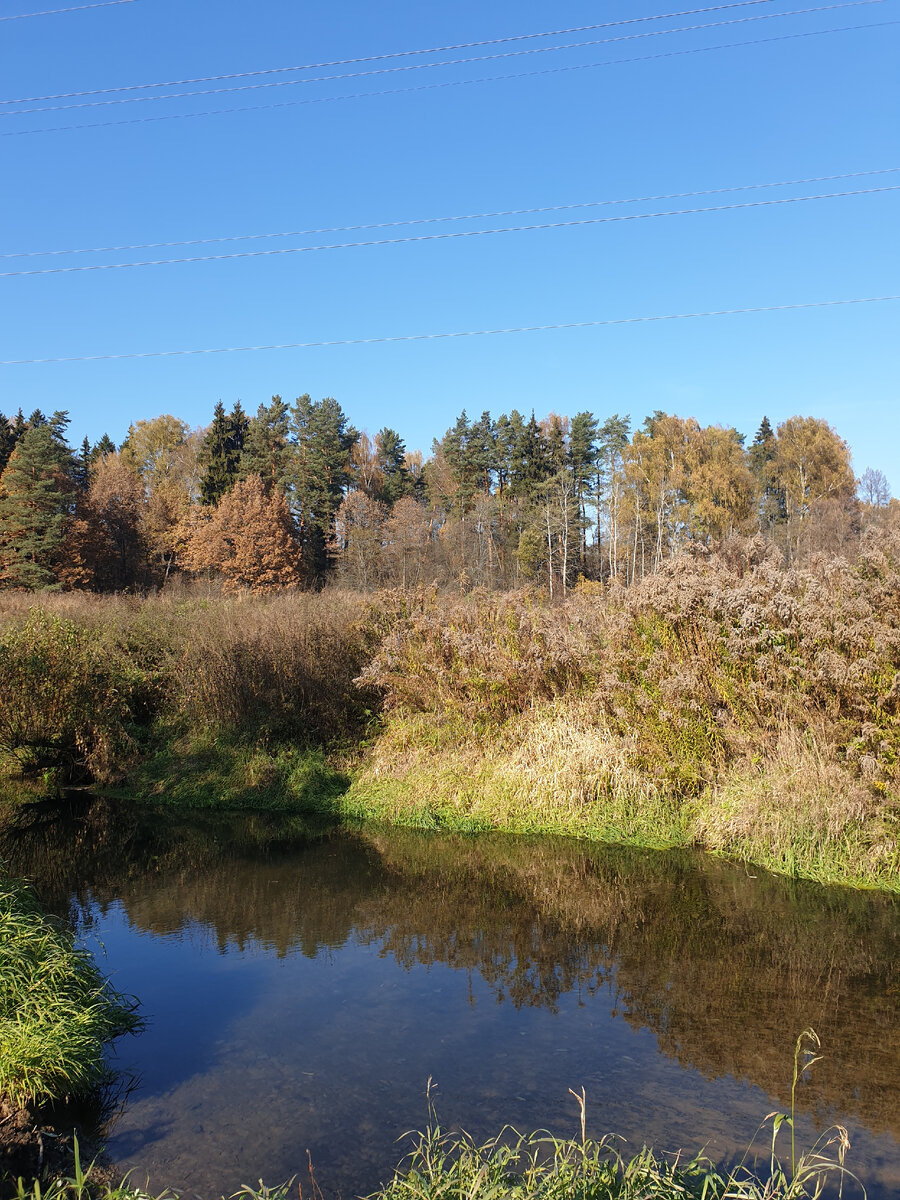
point(724, 701)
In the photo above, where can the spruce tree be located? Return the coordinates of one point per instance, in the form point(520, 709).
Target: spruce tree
point(266, 450)
point(482, 451)
point(390, 458)
point(35, 490)
point(533, 464)
point(762, 455)
point(319, 473)
point(8, 438)
point(82, 463)
point(214, 459)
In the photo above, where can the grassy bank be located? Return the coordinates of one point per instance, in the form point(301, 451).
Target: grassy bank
point(725, 702)
point(57, 1015)
point(56, 1011)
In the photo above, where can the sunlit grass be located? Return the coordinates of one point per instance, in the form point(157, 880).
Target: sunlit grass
point(56, 1011)
point(538, 1166)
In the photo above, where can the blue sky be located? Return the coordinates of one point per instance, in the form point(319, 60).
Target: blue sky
point(783, 110)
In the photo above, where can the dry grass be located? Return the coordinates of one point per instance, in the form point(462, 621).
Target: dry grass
point(91, 683)
point(664, 712)
point(799, 809)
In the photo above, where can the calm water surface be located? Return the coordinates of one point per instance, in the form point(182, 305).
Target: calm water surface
point(301, 986)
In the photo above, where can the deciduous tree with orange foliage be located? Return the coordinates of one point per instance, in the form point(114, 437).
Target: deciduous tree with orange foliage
point(248, 539)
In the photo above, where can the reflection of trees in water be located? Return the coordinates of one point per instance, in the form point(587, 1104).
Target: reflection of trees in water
point(724, 968)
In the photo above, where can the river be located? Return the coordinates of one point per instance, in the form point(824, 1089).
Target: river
point(302, 984)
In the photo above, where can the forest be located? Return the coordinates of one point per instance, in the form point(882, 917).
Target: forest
point(295, 496)
point(659, 636)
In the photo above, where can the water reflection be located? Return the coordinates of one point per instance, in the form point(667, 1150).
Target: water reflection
point(723, 967)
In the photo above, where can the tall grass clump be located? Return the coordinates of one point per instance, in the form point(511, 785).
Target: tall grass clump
point(539, 1166)
point(93, 686)
point(56, 1011)
point(284, 666)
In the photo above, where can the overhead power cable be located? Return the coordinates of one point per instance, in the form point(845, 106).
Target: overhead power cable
point(441, 237)
point(424, 66)
point(505, 212)
point(347, 62)
point(449, 83)
point(53, 12)
point(432, 337)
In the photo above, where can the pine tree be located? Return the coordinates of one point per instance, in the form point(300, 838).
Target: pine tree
point(455, 446)
point(608, 480)
point(35, 490)
point(583, 431)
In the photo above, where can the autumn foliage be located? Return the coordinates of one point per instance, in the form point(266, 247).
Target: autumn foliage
point(247, 539)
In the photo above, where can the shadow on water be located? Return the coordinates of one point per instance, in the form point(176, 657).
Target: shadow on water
point(721, 965)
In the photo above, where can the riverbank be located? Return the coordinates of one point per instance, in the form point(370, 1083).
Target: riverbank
point(57, 1015)
point(724, 703)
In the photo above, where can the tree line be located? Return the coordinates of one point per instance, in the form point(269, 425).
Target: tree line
point(295, 496)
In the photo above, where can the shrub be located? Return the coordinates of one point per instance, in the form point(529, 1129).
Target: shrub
point(69, 698)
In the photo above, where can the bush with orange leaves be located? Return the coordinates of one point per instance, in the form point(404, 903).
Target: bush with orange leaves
point(248, 539)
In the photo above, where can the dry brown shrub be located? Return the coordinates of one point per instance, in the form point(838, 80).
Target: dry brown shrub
point(693, 669)
point(483, 656)
point(285, 665)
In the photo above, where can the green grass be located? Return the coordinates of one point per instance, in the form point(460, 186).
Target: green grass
point(230, 772)
point(56, 1011)
point(513, 1166)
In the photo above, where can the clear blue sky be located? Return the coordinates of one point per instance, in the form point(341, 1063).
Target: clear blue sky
point(783, 110)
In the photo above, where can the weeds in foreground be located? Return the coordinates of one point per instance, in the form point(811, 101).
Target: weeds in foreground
point(539, 1166)
point(514, 1166)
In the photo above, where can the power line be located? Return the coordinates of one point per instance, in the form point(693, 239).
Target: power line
point(507, 212)
point(431, 337)
point(424, 66)
point(439, 237)
point(52, 12)
point(451, 83)
point(346, 62)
